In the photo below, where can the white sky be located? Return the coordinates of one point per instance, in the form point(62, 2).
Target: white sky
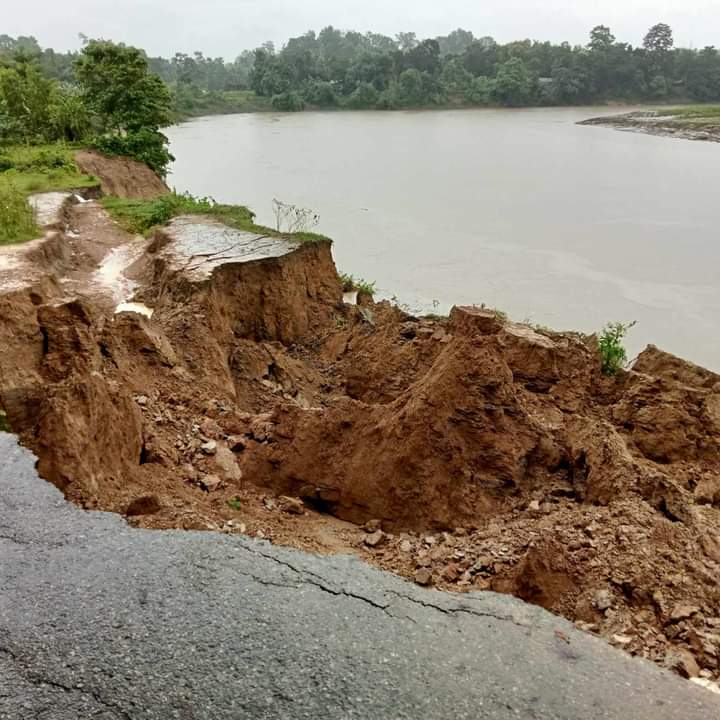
point(226, 27)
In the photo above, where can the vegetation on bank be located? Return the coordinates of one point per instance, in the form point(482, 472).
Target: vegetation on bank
point(27, 169)
point(694, 117)
point(336, 69)
point(612, 351)
point(17, 219)
point(112, 103)
point(142, 216)
point(351, 283)
point(41, 168)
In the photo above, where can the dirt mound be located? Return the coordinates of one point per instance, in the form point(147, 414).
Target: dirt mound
point(478, 453)
point(121, 176)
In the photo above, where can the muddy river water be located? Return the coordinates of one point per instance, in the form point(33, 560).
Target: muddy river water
point(569, 226)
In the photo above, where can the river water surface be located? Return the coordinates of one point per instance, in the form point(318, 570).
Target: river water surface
point(568, 226)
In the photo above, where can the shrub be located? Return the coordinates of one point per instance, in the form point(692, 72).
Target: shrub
point(612, 351)
point(288, 102)
point(146, 145)
point(17, 220)
point(350, 283)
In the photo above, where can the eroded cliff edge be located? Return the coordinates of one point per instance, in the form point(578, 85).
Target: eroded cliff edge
point(243, 395)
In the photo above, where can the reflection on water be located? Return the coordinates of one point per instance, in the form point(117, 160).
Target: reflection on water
point(569, 226)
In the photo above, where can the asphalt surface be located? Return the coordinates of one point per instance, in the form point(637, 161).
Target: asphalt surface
point(99, 620)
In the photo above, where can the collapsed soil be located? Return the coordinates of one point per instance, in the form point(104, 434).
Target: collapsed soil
point(468, 453)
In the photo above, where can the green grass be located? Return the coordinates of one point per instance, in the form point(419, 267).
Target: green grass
point(350, 283)
point(705, 112)
point(41, 168)
point(17, 220)
point(235, 504)
point(143, 216)
point(27, 169)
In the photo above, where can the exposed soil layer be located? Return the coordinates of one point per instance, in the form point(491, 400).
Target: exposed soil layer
point(121, 176)
point(653, 123)
point(470, 453)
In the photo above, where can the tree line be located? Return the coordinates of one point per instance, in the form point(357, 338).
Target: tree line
point(121, 97)
point(104, 96)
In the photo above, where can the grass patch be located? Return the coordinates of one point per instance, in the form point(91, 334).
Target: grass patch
point(694, 112)
point(143, 216)
point(17, 219)
point(351, 283)
point(235, 504)
point(41, 168)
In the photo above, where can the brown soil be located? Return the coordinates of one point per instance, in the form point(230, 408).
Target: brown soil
point(121, 176)
point(479, 454)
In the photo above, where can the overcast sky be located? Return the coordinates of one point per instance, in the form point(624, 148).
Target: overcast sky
point(225, 27)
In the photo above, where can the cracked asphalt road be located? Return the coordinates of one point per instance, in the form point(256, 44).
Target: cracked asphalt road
point(99, 620)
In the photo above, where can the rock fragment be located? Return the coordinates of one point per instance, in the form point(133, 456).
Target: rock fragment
point(375, 539)
point(292, 505)
point(423, 577)
point(226, 464)
point(210, 482)
point(603, 600)
point(209, 447)
point(144, 505)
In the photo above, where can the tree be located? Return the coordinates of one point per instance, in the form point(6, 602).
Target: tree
point(364, 96)
point(24, 96)
point(567, 87)
point(659, 39)
point(455, 80)
point(601, 38)
point(412, 89)
point(424, 57)
point(406, 40)
point(130, 104)
point(68, 116)
point(513, 84)
point(481, 56)
point(456, 42)
point(321, 93)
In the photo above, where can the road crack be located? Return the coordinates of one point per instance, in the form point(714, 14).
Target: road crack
point(37, 680)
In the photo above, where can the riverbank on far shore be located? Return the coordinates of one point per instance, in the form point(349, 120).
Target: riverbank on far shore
point(690, 123)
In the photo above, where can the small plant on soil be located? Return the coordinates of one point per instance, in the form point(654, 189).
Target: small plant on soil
point(17, 220)
point(235, 504)
point(612, 350)
point(350, 283)
point(292, 218)
point(4, 424)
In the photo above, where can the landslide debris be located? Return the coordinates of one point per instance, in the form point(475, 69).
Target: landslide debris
point(121, 176)
point(469, 453)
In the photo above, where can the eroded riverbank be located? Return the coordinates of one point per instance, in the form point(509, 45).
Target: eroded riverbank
point(675, 124)
point(565, 225)
point(468, 453)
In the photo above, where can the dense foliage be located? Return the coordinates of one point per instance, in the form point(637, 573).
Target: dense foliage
point(39, 96)
point(336, 68)
point(111, 100)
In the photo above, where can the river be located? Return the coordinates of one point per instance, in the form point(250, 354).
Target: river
point(564, 225)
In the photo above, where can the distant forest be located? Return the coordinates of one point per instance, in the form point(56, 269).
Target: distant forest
point(337, 69)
